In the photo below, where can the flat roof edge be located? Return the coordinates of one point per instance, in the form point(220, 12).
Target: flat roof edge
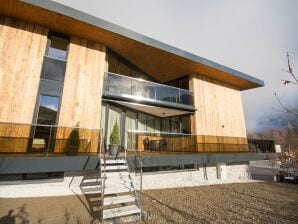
point(103, 24)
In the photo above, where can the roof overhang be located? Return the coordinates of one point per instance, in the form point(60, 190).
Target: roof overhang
point(163, 62)
point(153, 110)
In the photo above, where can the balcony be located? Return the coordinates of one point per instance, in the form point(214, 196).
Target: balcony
point(137, 90)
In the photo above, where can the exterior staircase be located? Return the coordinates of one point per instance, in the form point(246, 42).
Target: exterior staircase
point(119, 199)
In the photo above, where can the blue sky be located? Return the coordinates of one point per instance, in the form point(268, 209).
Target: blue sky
point(250, 36)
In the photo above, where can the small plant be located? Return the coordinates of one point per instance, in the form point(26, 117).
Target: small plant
point(115, 135)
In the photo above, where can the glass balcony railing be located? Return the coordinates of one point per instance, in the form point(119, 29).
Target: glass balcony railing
point(141, 90)
point(48, 140)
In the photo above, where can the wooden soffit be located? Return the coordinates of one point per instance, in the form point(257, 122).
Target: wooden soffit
point(163, 62)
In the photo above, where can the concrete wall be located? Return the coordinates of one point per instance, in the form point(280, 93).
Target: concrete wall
point(236, 173)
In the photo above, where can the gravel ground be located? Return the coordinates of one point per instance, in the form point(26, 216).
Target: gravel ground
point(229, 203)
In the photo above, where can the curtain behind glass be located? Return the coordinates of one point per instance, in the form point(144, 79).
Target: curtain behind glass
point(114, 116)
point(130, 124)
point(142, 122)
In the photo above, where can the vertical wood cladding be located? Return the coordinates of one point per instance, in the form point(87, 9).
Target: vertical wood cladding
point(22, 48)
point(82, 91)
point(219, 108)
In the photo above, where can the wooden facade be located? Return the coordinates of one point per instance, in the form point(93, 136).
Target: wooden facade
point(217, 124)
point(219, 108)
point(22, 48)
point(82, 92)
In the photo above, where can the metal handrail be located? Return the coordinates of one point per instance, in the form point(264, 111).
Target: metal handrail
point(48, 125)
point(176, 133)
point(138, 159)
point(102, 174)
point(141, 181)
point(132, 183)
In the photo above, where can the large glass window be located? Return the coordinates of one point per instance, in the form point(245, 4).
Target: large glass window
point(47, 115)
point(175, 124)
point(148, 123)
point(118, 65)
point(130, 124)
point(50, 92)
point(142, 122)
point(57, 47)
point(185, 124)
point(165, 125)
point(48, 110)
point(54, 62)
point(113, 64)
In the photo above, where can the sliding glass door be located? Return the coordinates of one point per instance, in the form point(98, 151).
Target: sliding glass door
point(130, 124)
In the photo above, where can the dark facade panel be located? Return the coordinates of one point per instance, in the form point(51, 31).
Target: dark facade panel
point(197, 158)
point(48, 164)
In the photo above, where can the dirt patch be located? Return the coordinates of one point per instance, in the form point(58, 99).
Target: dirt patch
point(45, 210)
point(228, 203)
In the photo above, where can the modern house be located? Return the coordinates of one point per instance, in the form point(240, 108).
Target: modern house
point(66, 79)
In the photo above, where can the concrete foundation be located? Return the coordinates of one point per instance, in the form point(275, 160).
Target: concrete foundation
point(70, 185)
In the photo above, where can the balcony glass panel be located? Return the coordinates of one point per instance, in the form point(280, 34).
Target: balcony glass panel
point(123, 86)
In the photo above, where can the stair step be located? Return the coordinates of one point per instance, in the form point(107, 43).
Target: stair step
point(119, 174)
point(91, 190)
point(90, 187)
point(118, 190)
point(116, 167)
point(92, 176)
point(93, 183)
point(116, 181)
point(118, 200)
point(122, 211)
point(117, 161)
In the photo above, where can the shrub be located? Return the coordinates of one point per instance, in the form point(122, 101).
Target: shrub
point(115, 135)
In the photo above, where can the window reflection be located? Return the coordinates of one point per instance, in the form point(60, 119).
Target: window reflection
point(47, 111)
point(54, 63)
point(47, 115)
point(57, 48)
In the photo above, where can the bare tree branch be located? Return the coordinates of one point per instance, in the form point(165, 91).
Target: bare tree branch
point(285, 108)
point(290, 70)
point(285, 82)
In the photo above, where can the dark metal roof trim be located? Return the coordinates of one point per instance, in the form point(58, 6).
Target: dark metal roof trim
point(95, 21)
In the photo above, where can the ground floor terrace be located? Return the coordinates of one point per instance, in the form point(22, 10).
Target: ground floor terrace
point(257, 202)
